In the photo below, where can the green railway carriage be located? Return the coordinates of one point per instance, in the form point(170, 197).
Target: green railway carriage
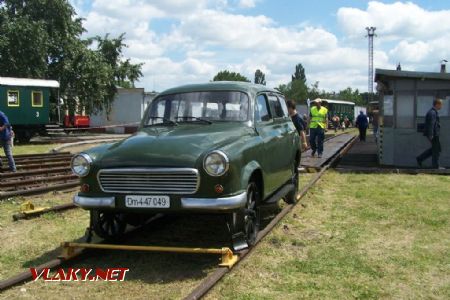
point(340, 108)
point(26, 103)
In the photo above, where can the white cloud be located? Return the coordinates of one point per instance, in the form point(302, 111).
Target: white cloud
point(247, 3)
point(419, 36)
point(255, 33)
point(398, 20)
point(411, 52)
point(202, 37)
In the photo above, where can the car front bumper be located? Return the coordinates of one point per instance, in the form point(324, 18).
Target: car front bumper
point(226, 203)
point(185, 203)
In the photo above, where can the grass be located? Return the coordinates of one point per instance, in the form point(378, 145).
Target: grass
point(359, 236)
point(365, 236)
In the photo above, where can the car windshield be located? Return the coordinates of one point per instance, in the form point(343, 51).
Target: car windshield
point(198, 107)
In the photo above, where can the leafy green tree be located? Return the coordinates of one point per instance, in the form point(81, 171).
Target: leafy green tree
point(226, 75)
point(299, 73)
point(351, 95)
point(296, 89)
point(283, 88)
point(42, 39)
point(260, 77)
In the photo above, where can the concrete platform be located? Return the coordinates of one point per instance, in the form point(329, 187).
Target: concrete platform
point(331, 148)
point(363, 158)
point(362, 154)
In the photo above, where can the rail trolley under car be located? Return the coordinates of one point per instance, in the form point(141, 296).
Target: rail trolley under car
point(27, 105)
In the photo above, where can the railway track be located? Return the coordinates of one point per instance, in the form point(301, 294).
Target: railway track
point(37, 173)
point(199, 291)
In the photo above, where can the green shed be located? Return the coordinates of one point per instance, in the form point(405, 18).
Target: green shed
point(26, 103)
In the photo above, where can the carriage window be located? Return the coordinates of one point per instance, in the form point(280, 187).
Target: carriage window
point(13, 98)
point(37, 100)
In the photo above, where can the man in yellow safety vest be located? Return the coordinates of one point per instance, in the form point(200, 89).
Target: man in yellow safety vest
point(318, 124)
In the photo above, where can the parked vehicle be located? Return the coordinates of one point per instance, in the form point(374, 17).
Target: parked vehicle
point(339, 108)
point(221, 147)
point(26, 103)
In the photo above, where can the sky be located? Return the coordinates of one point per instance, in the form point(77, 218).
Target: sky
point(189, 41)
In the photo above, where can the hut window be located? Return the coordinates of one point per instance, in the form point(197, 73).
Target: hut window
point(424, 103)
point(13, 98)
point(405, 110)
point(37, 99)
point(388, 105)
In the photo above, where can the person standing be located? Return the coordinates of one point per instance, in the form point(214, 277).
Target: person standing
point(6, 141)
point(362, 123)
point(318, 125)
point(432, 132)
point(299, 124)
point(336, 121)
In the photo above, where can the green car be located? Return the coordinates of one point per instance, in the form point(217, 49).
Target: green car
point(221, 147)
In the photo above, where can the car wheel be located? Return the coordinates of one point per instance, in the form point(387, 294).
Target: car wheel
point(251, 217)
point(108, 225)
point(244, 224)
point(291, 197)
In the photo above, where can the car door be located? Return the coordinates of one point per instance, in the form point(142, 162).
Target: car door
point(285, 131)
point(269, 131)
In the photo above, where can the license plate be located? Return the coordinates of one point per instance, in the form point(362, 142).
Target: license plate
point(147, 201)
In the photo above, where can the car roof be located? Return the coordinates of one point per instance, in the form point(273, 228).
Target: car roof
point(338, 101)
point(245, 87)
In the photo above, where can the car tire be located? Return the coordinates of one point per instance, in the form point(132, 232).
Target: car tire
point(108, 225)
point(291, 197)
point(244, 224)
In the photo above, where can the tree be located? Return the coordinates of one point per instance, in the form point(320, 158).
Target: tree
point(299, 73)
point(283, 88)
point(260, 77)
point(226, 75)
point(351, 95)
point(296, 89)
point(42, 39)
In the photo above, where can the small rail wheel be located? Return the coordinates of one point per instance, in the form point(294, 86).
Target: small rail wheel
point(108, 225)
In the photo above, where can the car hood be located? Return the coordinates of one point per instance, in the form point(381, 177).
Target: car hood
point(171, 146)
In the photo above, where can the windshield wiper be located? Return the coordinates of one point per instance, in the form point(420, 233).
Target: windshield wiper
point(195, 118)
point(165, 121)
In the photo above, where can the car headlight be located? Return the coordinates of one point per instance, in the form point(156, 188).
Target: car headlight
point(81, 164)
point(216, 163)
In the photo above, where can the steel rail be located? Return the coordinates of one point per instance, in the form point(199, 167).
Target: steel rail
point(59, 261)
point(217, 275)
point(8, 185)
point(25, 174)
point(211, 280)
point(40, 189)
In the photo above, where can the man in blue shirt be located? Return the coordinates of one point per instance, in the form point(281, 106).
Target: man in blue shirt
point(362, 123)
point(5, 139)
point(299, 124)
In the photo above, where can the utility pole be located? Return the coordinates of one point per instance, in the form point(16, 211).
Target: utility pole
point(370, 35)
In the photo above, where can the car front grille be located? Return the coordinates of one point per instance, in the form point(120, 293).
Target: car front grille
point(149, 180)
